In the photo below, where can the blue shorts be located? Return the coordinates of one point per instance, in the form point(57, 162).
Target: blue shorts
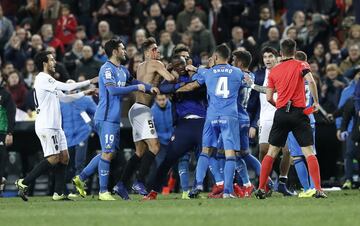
point(244, 135)
point(224, 127)
point(109, 135)
point(294, 147)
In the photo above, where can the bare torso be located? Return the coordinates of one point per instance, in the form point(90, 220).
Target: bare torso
point(146, 73)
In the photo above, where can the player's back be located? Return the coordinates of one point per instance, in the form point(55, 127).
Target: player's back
point(223, 82)
point(109, 107)
point(46, 102)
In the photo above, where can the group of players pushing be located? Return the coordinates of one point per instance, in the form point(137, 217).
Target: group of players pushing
point(221, 124)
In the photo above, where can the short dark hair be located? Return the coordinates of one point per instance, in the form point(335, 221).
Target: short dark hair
point(180, 48)
point(300, 55)
point(223, 50)
point(148, 42)
point(269, 49)
point(244, 57)
point(41, 58)
point(288, 47)
point(177, 57)
point(112, 44)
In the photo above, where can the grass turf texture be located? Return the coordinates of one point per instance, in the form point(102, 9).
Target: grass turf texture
point(341, 208)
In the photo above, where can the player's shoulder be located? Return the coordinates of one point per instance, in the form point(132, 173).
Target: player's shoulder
point(42, 77)
point(107, 69)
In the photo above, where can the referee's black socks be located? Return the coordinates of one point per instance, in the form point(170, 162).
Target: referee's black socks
point(146, 163)
point(42, 166)
point(131, 166)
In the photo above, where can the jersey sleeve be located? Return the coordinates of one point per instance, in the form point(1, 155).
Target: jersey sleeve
point(304, 68)
point(107, 75)
point(200, 76)
point(48, 84)
point(270, 83)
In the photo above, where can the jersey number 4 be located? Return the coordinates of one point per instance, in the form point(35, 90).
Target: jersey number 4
point(222, 89)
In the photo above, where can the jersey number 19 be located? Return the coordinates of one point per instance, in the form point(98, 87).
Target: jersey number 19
point(222, 87)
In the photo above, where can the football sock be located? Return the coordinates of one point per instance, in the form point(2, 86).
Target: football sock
point(183, 169)
point(104, 168)
point(60, 175)
point(229, 172)
point(201, 168)
point(41, 167)
point(253, 163)
point(130, 167)
point(242, 170)
point(314, 170)
point(302, 173)
point(146, 162)
point(266, 167)
point(90, 168)
point(214, 169)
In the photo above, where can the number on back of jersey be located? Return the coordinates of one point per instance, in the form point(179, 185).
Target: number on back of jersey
point(222, 89)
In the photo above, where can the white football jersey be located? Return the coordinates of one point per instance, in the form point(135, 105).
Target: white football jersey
point(267, 111)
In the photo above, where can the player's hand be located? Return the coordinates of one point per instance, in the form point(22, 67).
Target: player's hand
point(191, 68)
point(252, 132)
point(248, 79)
point(9, 140)
point(94, 80)
point(91, 91)
point(155, 90)
point(175, 74)
point(141, 88)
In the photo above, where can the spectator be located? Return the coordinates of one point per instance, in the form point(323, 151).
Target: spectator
point(170, 27)
point(49, 40)
point(274, 41)
point(66, 25)
point(184, 17)
point(203, 40)
point(131, 51)
point(331, 89)
point(334, 54)
point(237, 41)
point(354, 36)
point(319, 56)
point(151, 29)
point(51, 12)
point(117, 14)
point(72, 58)
point(140, 37)
point(81, 34)
point(299, 24)
point(261, 28)
point(6, 29)
point(219, 21)
point(134, 63)
point(166, 45)
point(30, 11)
point(14, 53)
point(7, 68)
point(61, 74)
point(29, 73)
point(155, 13)
point(168, 8)
point(36, 45)
point(16, 88)
point(352, 60)
point(186, 39)
point(88, 66)
point(104, 33)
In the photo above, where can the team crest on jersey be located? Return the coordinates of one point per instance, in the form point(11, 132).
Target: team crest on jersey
point(51, 80)
point(108, 146)
point(152, 131)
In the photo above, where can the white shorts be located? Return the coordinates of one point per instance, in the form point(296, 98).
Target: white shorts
point(53, 141)
point(264, 131)
point(142, 122)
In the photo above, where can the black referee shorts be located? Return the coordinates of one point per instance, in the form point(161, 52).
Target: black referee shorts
point(293, 121)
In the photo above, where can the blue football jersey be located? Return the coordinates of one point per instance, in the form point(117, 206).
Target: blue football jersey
point(309, 101)
point(243, 98)
point(109, 107)
point(223, 82)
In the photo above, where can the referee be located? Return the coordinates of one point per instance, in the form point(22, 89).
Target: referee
point(288, 79)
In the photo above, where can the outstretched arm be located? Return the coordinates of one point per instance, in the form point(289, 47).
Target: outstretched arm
point(73, 86)
point(161, 70)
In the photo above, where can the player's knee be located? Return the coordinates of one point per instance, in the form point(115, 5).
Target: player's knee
point(54, 159)
point(243, 153)
point(106, 156)
point(229, 153)
point(206, 150)
point(64, 157)
point(273, 151)
point(154, 146)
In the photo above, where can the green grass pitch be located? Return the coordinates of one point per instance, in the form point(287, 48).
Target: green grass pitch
point(341, 209)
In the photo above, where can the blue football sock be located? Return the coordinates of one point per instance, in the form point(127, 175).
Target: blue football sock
point(242, 170)
point(302, 173)
point(90, 168)
point(104, 167)
point(253, 163)
point(183, 169)
point(229, 172)
point(214, 169)
point(201, 168)
point(221, 162)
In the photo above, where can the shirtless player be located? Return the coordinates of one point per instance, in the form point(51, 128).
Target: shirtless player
point(147, 145)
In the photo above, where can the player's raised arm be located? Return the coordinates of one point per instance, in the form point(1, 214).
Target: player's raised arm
point(161, 70)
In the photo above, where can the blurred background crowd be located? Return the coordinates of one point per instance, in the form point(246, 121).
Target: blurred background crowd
point(328, 31)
